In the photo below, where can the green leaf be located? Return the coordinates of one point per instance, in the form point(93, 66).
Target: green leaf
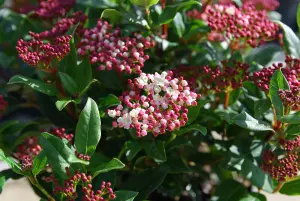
point(257, 176)
point(125, 195)
point(83, 75)
point(2, 182)
point(144, 3)
point(254, 197)
point(245, 120)
point(194, 111)
point(193, 127)
point(230, 190)
point(293, 130)
point(2, 2)
point(10, 162)
point(39, 163)
point(291, 188)
point(263, 55)
point(87, 87)
point(290, 119)
point(58, 153)
point(169, 12)
point(145, 182)
point(278, 81)
point(179, 25)
point(291, 40)
point(61, 104)
point(176, 165)
point(132, 149)
point(112, 15)
point(68, 83)
point(155, 149)
point(36, 85)
point(88, 130)
point(108, 101)
point(114, 164)
point(261, 107)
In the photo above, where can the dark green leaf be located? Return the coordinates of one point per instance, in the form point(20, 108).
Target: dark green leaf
point(230, 190)
point(87, 87)
point(263, 55)
point(34, 84)
point(112, 15)
point(114, 164)
point(194, 111)
point(125, 195)
point(88, 130)
point(244, 120)
point(298, 16)
point(291, 188)
point(10, 162)
point(61, 104)
point(290, 119)
point(108, 101)
point(293, 130)
point(133, 148)
point(68, 83)
point(261, 107)
point(254, 197)
point(83, 75)
point(144, 3)
point(291, 41)
point(39, 163)
point(58, 153)
point(2, 182)
point(193, 127)
point(278, 81)
point(155, 149)
point(145, 182)
point(169, 12)
point(256, 175)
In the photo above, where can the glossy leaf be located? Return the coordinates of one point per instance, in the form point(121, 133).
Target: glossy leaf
point(114, 164)
point(291, 40)
point(245, 120)
point(291, 188)
point(36, 85)
point(112, 15)
point(254, 197)
point(125, 195)
point(179, 24)
point(169, 12)
point(61, 104)
point(230, 190)
point(58, 153)
point(194, 111)
point(145, 182)
point(132, 149)
point(293, 130)
point(88, 130)
point(298, 16)
point(278, 81)
point(68, 83)
point(83, 75)
point(290, 119)
point(261, 107)
point(193, 127)
point(2, 183)
point(144, 3)
point(10, 162)
point(39, 163)
point(155, 149)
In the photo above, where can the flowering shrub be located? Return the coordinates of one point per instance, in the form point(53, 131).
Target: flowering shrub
point(150, 100)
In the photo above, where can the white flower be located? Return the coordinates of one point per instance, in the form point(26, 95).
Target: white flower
point(134, 113)
point(143, 79)
point(125, 120)
point(230, 11)
point(112, 113)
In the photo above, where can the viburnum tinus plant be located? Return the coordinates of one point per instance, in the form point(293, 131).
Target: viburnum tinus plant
point(134, 100)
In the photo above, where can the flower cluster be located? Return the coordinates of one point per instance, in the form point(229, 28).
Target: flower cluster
point(290, 98)
point(41, 54)
point(241, 26)
point(62, 26)
point(3, 104)
point(109, 50)
point(26, 163)
point(31, 148)
point(290, 68)
point(155, 103)
point(105, 193)
point(82, 156)
point(264, 4)
point(218, 79)
point(285, 166)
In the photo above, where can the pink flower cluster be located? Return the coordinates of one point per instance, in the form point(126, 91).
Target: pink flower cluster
point(54, 8)
point(41, 54)
point(218, 79)
point(109, 50)
point(3, 104)
point(285, 166)
point(31, 148)
point(155, 103)
point(243, 26)
point(264, 4)
point(105, 193)
point(62, 26)
point(290, 68)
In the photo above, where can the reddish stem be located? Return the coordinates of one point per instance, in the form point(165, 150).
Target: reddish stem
point(164, 26)
point(227, 97)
